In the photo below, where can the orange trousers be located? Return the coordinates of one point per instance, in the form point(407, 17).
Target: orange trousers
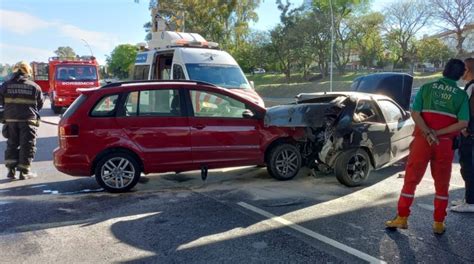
point(440, 157)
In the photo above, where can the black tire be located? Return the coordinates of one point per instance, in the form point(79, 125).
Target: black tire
point(284, 162)
point(352, 167)
point(125, 177)
point(56, 109)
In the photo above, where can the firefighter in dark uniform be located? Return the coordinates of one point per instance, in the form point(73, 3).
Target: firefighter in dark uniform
point(22, 99)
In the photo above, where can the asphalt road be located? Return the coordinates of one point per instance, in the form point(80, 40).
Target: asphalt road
point(239, 215)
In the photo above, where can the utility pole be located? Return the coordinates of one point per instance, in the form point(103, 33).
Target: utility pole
point(332, 47)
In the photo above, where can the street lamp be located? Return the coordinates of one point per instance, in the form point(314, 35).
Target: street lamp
point(87, 45)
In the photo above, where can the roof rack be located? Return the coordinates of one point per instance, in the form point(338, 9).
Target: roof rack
point(116, 84)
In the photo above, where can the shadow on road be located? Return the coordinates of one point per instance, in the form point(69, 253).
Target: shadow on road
point(182, 222)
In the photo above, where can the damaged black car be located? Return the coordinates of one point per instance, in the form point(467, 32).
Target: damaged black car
point(348, 133)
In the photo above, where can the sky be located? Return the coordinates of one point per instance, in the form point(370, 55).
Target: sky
point(32, 30)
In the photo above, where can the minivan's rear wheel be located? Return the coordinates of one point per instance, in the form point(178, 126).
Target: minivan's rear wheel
point(117, 172)
point(352, 167)
point(284, 162)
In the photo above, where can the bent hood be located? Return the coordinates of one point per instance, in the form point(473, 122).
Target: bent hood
point(250, 95)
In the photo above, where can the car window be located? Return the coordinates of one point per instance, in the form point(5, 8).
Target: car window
point(365, 112)
point(207, 104)
point(153, 103)
point(105, 106)
point(391, 111)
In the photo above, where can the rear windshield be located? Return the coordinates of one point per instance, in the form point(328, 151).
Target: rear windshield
point(74, 106)
point(76, 73)
point(227, 76)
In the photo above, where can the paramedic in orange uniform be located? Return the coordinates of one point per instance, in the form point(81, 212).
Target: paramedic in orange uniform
point(440, 111)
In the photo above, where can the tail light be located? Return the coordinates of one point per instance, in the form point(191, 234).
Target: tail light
point(69, 130)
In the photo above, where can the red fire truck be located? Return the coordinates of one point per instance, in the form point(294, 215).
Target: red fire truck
point(64, 76)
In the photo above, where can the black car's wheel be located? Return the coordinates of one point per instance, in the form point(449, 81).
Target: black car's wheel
point(284, 162)
point(56, 109)
point(117, 172)
point(352, 168)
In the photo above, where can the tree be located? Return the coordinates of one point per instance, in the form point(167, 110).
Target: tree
point(366, 35)
point(120, 62)
point(434, 51)
point(455, 15)
point(402, 21)
point(342, 11)
point(253, 53)
point(147, 27)
point(285, 41)
point(226, 22)
point(65, 52)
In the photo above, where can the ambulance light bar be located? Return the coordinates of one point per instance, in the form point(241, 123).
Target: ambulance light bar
point(187, 43)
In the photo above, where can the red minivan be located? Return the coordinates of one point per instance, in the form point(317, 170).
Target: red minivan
point(121, 130)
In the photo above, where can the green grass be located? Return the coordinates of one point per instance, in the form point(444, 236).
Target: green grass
point(275, 86)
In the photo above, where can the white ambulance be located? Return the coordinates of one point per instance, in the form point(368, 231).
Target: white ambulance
point(188, 56)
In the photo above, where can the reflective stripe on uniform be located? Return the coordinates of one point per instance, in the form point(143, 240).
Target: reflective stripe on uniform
point(9, 100)
point(407, 195)
point(441, 197)
point(10, 161)
point(25, 167)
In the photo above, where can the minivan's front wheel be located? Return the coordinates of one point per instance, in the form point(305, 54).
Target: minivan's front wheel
point(284, 162)
point(117, 172)
point(352, 167)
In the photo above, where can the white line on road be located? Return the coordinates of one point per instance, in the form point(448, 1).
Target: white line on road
point(38, 186)
point(312, 234)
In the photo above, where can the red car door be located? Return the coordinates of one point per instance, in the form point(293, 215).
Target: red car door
point(154, 121)
point(220, 134)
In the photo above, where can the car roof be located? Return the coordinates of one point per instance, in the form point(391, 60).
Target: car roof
point(186, 84)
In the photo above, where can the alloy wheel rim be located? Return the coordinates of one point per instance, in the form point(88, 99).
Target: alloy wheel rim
point(117, 173)
point(357, 167)
point(286, 162)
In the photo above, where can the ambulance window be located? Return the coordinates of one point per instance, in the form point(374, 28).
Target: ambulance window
point(141, 72)
point(178, 73)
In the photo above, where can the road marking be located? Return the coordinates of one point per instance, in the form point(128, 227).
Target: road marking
point(312, 234)
point(51, 191)
point(38, 186)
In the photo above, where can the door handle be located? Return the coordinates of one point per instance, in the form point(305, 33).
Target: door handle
point(199, 126)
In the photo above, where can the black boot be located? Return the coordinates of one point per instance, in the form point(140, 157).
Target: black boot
point(11, 174)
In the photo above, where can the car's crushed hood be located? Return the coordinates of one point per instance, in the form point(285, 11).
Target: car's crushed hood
point(312, 114)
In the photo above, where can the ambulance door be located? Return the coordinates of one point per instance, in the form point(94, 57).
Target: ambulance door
point(162, 65)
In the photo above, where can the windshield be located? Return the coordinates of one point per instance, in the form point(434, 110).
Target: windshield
point(227, 76)
point(76, 73)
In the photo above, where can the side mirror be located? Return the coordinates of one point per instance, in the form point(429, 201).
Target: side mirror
point(252, 84)
point(248, 114)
